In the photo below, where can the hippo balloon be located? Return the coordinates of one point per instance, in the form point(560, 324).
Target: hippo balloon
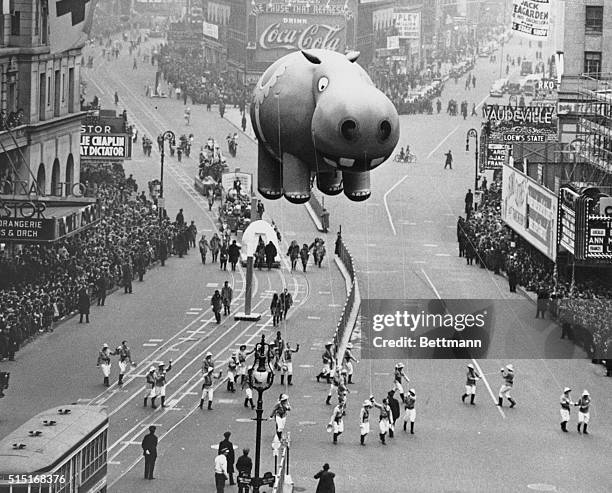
point(316, 113)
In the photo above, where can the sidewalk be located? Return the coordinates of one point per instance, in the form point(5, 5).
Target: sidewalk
point(234, 116)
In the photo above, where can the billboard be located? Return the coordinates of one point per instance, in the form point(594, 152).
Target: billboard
point(183, 35)
point(531, 17)
point(210, 30)
point(512, 124)
point(497, 156)
point(530, 210)
point(105, 138)
point(408, 24)
point(284, 28)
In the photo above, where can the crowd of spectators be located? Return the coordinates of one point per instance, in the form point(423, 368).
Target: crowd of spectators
point(40, 283)
point(583, 306)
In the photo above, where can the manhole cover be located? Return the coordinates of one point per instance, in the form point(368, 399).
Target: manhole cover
point(542, 487)
point(298, 488)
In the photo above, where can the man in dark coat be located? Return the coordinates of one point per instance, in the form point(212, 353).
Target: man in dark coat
point(233, 253)
point(180, 219)
point(326, 480)
point(102, 286)
point(512, 278)
point(244, 464)
point(216, 303)
point(139, 265)
point(226, 444)
point(270, 252)
point(127, 276)
point(338, 243)
point(149, 450)
point(84, 304)
point(395, 410)
point(163, 250)
point(469, 202)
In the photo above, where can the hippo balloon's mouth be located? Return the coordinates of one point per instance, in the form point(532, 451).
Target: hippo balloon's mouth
point(351, 163)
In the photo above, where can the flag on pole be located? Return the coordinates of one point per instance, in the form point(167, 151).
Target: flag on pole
point(69, 23)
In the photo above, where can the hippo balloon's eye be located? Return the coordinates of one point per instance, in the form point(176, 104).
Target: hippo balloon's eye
point(322, 84)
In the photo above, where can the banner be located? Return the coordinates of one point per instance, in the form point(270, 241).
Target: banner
point(246, 181)
point(531, 17)
point(408, 24)
point(531, 210)
point(511, 124)
point(497, 156)
point(69, 23)
point(182, 35)
point(210, 30)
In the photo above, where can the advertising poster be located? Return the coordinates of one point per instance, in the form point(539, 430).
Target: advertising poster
point(531, 17)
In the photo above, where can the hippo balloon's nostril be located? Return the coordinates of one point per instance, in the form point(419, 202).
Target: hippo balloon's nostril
point(384, 130)
point(349, 130)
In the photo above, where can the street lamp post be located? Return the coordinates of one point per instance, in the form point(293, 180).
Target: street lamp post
point(170, 137)
point(472, 132)
point(261, 378)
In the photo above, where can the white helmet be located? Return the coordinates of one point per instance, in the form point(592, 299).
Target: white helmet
point(510, 367)
point(208, 354)
point(470, 366)
point(566, 390)
point(349, 346)
point(399, 365)
point(411, 392)
point(585, 392)
point(151, 369)
point(105, 345)
point(367, 403)
point(284, 397)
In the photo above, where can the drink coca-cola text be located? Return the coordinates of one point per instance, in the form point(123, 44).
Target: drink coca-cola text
point(325, 36)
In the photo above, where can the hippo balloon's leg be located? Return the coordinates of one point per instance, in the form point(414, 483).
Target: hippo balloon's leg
point(268, 175)
point(330, 182)
point(296, 179)
point(357, 185)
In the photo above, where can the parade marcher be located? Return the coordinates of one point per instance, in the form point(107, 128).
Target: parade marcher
point(383, 419)
point(244, 465)
point(286, 301)
point(208, 367)
point(364, 420)
point(242, 369)
point(221, 470)
point(160, 384)
point(566, 402)
point(287, 364)
point(226, 297)
point(278, 346)
point(279, 413)
point(409, 410)
point(232, 375)
point(150, 386)
point(216, 303)
point(336, 423)
point(326, 480)
point(328, 359)
point(203, 244)
point(470, 384)
point(229, 446)
point(508, 376)
point(395, 411)
point(149, 450)
point(348, 362)
point(125, 359)
point(398, 375)
point(334, 385)
point(248, 393)
point(104, 362)
point(584, 414)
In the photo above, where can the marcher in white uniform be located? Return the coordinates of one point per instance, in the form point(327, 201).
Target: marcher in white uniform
point(125, 360)
point(104, 362)
point(410, 411)
point(328, 361)
point(398, 375)
point(287, 364)
point(279, 412)
point(584, 414)
point(364, 420)
point(566, 402)
point(248, 394)
point(383, 419)
point(470, 383)
point(232, 372)
point(150, 386)
point(242, 367)
point(208, 366)
point(160, 384)
point(508, 376)
point(348, 362)
point(337, 420)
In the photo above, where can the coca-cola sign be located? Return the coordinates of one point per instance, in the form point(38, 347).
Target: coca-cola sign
point(278, 34)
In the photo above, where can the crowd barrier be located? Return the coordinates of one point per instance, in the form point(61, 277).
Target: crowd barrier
point(320, 213)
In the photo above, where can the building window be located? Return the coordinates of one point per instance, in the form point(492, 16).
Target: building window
point(594, 20)
point(49, 91)
point(592, 62)
point(15, 23)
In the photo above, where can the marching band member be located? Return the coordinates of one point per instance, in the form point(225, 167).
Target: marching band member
point(248, 391)
point(336, 422)
point(470, 384)
point(383, 419)
point(160, 384)
point(398, 375)
point(508, 376)
point(125, 359)
point(364, 420)
point(242, 369)
point(104, 362)
point(328, 359)
point(279, 412)
point(583, 411)
point(333, 386)
point(566, 402)
point(208, 367)
point(232, 366)
point(348, 361)
point(410, 411)
point(287, 364)
point(150, 386)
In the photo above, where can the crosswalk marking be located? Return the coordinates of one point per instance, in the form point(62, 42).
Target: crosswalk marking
point(155, 340)
point(312, 317)
point(150, 344)
point(195, 309)
point(212, 285)
point(192, 313)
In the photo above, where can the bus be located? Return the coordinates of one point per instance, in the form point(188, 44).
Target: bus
point(62, 450)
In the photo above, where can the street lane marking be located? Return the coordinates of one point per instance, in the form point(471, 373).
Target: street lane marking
point(212, 285)
point(173, 403)
point(398, 183)
point(382, 374)
point(306, 366)
point(429, 221)
point(155, 340)
point(408, 223)
point(443, 255)
point(244, 420)
point(227, 401)
point(433, 245)
point(192, 313)
point(150, 344)
point(312, 317)
point(332, 305)
point(324, 292)
point(370, 244)
point(442, 142)
point(302, 423)
point(195, 309)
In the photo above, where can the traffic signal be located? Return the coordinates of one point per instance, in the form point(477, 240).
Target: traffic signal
point(4, 382)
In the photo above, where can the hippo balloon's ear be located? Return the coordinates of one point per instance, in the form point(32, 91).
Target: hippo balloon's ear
point(352, 56)
point(311, 58)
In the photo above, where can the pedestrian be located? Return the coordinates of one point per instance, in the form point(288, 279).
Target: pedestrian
point(566, 402)
point(286, 301)
point(469, 203)
point(395, 411)
point(304, 254)
point(287, 364)
point(409, 410)
point(243, 122)
point(542, 302)
point(275, 310)
point(233, 253)
point(84, 304)
point(127, 276)
point(221, 470)
point(116, 98)
point(364, 420)
point(279, 413)
point(270, 252)
point(512, 278)
point(470, 384)
point(336, 422)
point(508, 377)
point(449, 160)
point(215, 245)
point(584, 415)
point(149, 450)
point(244, 465)
point(101, 288)
point(216, 304)
point(223, 257)
point(104, 362)
point(125, 359)
point(160, 384)
point(150, 386)
point(203, 244)
point(293, 253)
point(225, 444)
point(326, 480)
point(226, 297)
